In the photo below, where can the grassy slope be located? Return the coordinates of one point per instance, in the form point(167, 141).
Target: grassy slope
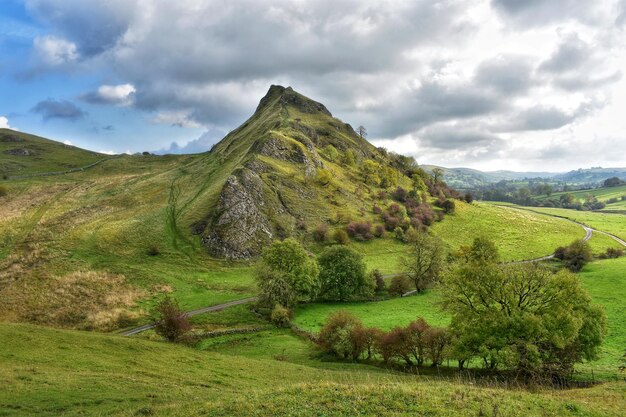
point(46, 155)
point(602, 194)
point(519, 235)
point(610, 223)
point(54, 372)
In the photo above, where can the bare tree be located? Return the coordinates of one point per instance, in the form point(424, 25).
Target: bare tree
point(362, 131)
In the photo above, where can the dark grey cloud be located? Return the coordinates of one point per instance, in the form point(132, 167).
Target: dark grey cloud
point(58, 109)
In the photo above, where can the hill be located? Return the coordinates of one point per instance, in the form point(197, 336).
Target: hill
point(23, 154)
point(94, 249)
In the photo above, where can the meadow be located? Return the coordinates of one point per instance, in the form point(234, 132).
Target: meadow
point(50, 372)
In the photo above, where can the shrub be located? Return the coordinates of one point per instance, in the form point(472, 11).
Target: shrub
point(448, 206)
point(437, 340)
point(378, 279)
point(172, 322)
point(341, 237)
point(361, 231)
point(301, 225)
point(400, 194)
point(399, 285)
point(376, 209)
point(320, 234)
point(364, 339)
point(3, 190)
point(559, 253)
point(323, 177)
point(395, 344)
point(379, 231)
point(153, 250)
point(469, 198)
point(399, 233)
point(330, 152)
point(281, 316)
point(577, 255)
point(337, 335)
point(342, 274)
point(612, 253)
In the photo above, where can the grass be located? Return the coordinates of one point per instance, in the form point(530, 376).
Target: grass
point(610, 223)
point(48, 372)
point(383, 314)
point(518, 235)
point(43, 155)
point(602, 194)
point(606, 282)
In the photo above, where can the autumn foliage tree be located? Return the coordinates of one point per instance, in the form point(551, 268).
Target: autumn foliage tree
point(172, 323)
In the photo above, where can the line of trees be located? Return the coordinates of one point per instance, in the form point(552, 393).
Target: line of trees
point(524, 318)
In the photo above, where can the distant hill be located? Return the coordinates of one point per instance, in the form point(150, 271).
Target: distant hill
point(24, 154)
point(467, 178)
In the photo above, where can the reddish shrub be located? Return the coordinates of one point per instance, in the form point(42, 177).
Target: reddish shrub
point(360, 230)
point(320, 234)
point(379, 231)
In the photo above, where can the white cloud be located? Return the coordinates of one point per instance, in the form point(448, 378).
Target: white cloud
point(4, 123)
point(55, 51)
point(119, 95)
point(67, 142)
point(176, 118)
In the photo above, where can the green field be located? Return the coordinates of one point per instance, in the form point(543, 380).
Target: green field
point(606, 222)
point(50, 372)
point(519, 235)
point(602, 194)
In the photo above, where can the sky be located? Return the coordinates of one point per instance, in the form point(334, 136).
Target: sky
point(534, 85)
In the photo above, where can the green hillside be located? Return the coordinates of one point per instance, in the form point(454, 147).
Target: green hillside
point(49, 372)
point(23, 154)
point(603, 194)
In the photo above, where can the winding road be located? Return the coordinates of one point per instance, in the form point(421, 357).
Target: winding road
point(588, 230)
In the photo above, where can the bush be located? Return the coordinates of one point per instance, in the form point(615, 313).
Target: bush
point(3, 190)
point(376, 209)
point(153, 250)
point(378, 279)
point(612, 253)
point(559, 253)
point(320, 234)
point(281, 316)
point(448, 206)
point(338, 335)
point(341, 237)
point(400, 194)
point(577, 255)
point(301, 225)
point(323, 177)
point(399, 233)
point(399, 285)
point(469, 198)
point(379, 231)
point(361, 231)
point(342, 274)
point(172, 322)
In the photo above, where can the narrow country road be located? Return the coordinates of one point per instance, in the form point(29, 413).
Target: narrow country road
point(191, 313)
point(588, 230)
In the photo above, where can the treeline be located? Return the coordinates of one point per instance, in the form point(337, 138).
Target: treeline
point(524, 318)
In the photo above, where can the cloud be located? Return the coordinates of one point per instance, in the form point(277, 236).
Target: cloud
point(58, 109)
point(119, 95)
point(529, 13)
point(53, 51)
point(4, 123)
point(506, 74)
point(199, 145)
point(176, 118)
point(459, 137)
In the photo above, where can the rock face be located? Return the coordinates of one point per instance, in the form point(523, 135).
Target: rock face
point(240, 229)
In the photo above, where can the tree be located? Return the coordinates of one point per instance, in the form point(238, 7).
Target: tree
point(342, 274)
point(418, 184)
point(522, 316)
point(379, 280)
point(172, 322)
point(286, 269)
point(361, 131)
point(400, 285)
point(613, 182)
point(425, 260)
point(448, 206)
point(437, 174)
point(482, 250)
